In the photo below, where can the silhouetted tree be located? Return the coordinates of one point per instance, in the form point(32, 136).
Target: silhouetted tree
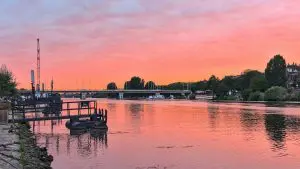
point(259, 83)
point(201, 85)
point(127, 85)
point(112, 86)
point(150, 85)
point(212, 84)
point(243, 81)
point(7, 82)
point(275, 71)
point(222, 90)
point(136, 83)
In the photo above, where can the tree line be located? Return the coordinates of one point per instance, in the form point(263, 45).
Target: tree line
point(252, 85)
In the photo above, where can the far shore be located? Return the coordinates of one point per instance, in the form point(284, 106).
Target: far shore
point(257, 102)
point(217, 101)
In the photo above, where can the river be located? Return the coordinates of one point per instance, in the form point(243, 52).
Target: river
point(179, 135)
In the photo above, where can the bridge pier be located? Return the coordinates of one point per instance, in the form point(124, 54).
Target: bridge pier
point(121, 96)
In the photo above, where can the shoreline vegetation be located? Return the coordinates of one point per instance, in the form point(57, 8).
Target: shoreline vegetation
point(18, 147)
point(279, 82)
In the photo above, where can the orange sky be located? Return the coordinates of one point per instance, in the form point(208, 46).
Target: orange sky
point(88, 44)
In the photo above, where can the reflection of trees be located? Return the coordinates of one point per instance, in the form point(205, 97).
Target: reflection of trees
point(213, 113)
point(275, 125)
point(250, 119)
point(111, 107)
point(136, 109)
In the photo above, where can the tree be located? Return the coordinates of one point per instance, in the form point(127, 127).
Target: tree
point(276, 93)
point(150, 85)
point(127, 85)
point(7, 82)
point(112, 86)
point(259, 83)
point(212, 84)
point(275, 71)
point(244, 80)
point(176, 86)
point(136, 83)
point(201, 85)
point(222, 90)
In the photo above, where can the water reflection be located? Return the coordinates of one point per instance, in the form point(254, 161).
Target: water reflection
point(232, 132)
point(136, 109)
point(112, 106)
point(213, 113)
point(275, 125)
point(250, 120)
point(84, 143)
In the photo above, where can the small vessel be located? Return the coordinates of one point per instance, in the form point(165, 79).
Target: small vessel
point(95, 122)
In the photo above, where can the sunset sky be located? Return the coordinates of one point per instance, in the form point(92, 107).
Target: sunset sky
point(87, 44)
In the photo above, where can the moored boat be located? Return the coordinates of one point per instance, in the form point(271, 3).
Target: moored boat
point(93, 123)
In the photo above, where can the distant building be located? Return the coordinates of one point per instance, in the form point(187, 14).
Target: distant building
point(293, 76)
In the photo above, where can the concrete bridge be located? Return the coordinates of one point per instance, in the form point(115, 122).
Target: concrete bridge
point(121, 92)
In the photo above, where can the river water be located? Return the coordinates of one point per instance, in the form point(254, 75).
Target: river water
point(179, 135)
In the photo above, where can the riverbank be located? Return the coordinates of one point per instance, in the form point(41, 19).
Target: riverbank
point(18, 148)
point(258, 102)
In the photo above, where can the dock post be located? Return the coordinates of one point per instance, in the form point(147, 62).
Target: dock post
point(105, 116)
point(68, 109)
point(89, 111)
point(78, 109)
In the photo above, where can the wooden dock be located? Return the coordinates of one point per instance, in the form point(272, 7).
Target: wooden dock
point(56, 111)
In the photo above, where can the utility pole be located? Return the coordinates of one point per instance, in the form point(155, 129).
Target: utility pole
point(38, 66)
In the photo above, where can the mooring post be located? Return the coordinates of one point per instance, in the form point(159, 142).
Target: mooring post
point(78, 109)
point(89, 111)
point(105, 115)
point(35, 111)
point(68, 109)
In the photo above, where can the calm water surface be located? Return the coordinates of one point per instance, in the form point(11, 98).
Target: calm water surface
point(179, 135)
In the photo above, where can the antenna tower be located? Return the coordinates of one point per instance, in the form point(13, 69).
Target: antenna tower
point(38, 65)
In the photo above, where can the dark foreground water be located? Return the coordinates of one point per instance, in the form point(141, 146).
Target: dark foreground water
point(180, 135)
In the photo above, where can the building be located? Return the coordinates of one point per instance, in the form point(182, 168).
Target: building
point(293, 76)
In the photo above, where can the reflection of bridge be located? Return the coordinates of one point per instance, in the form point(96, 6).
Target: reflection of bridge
point(121, 92)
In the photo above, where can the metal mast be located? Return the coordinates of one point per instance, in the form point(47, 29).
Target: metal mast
point(38, 65)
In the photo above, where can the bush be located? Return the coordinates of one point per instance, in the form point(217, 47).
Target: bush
point(294, 96)
point(256, 96)
point(246, 94)
point(276, 93)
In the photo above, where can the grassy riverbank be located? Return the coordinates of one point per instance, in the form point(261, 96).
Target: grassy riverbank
point(18, 148)
point(32, 156)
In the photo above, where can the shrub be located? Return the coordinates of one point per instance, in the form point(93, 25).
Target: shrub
point(276, 93)
point(256, 96)
point(246, 94)
point(294, 96)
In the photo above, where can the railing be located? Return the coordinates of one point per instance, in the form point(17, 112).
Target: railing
point(63, 110)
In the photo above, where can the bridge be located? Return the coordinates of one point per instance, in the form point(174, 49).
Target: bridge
point(121, 92)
